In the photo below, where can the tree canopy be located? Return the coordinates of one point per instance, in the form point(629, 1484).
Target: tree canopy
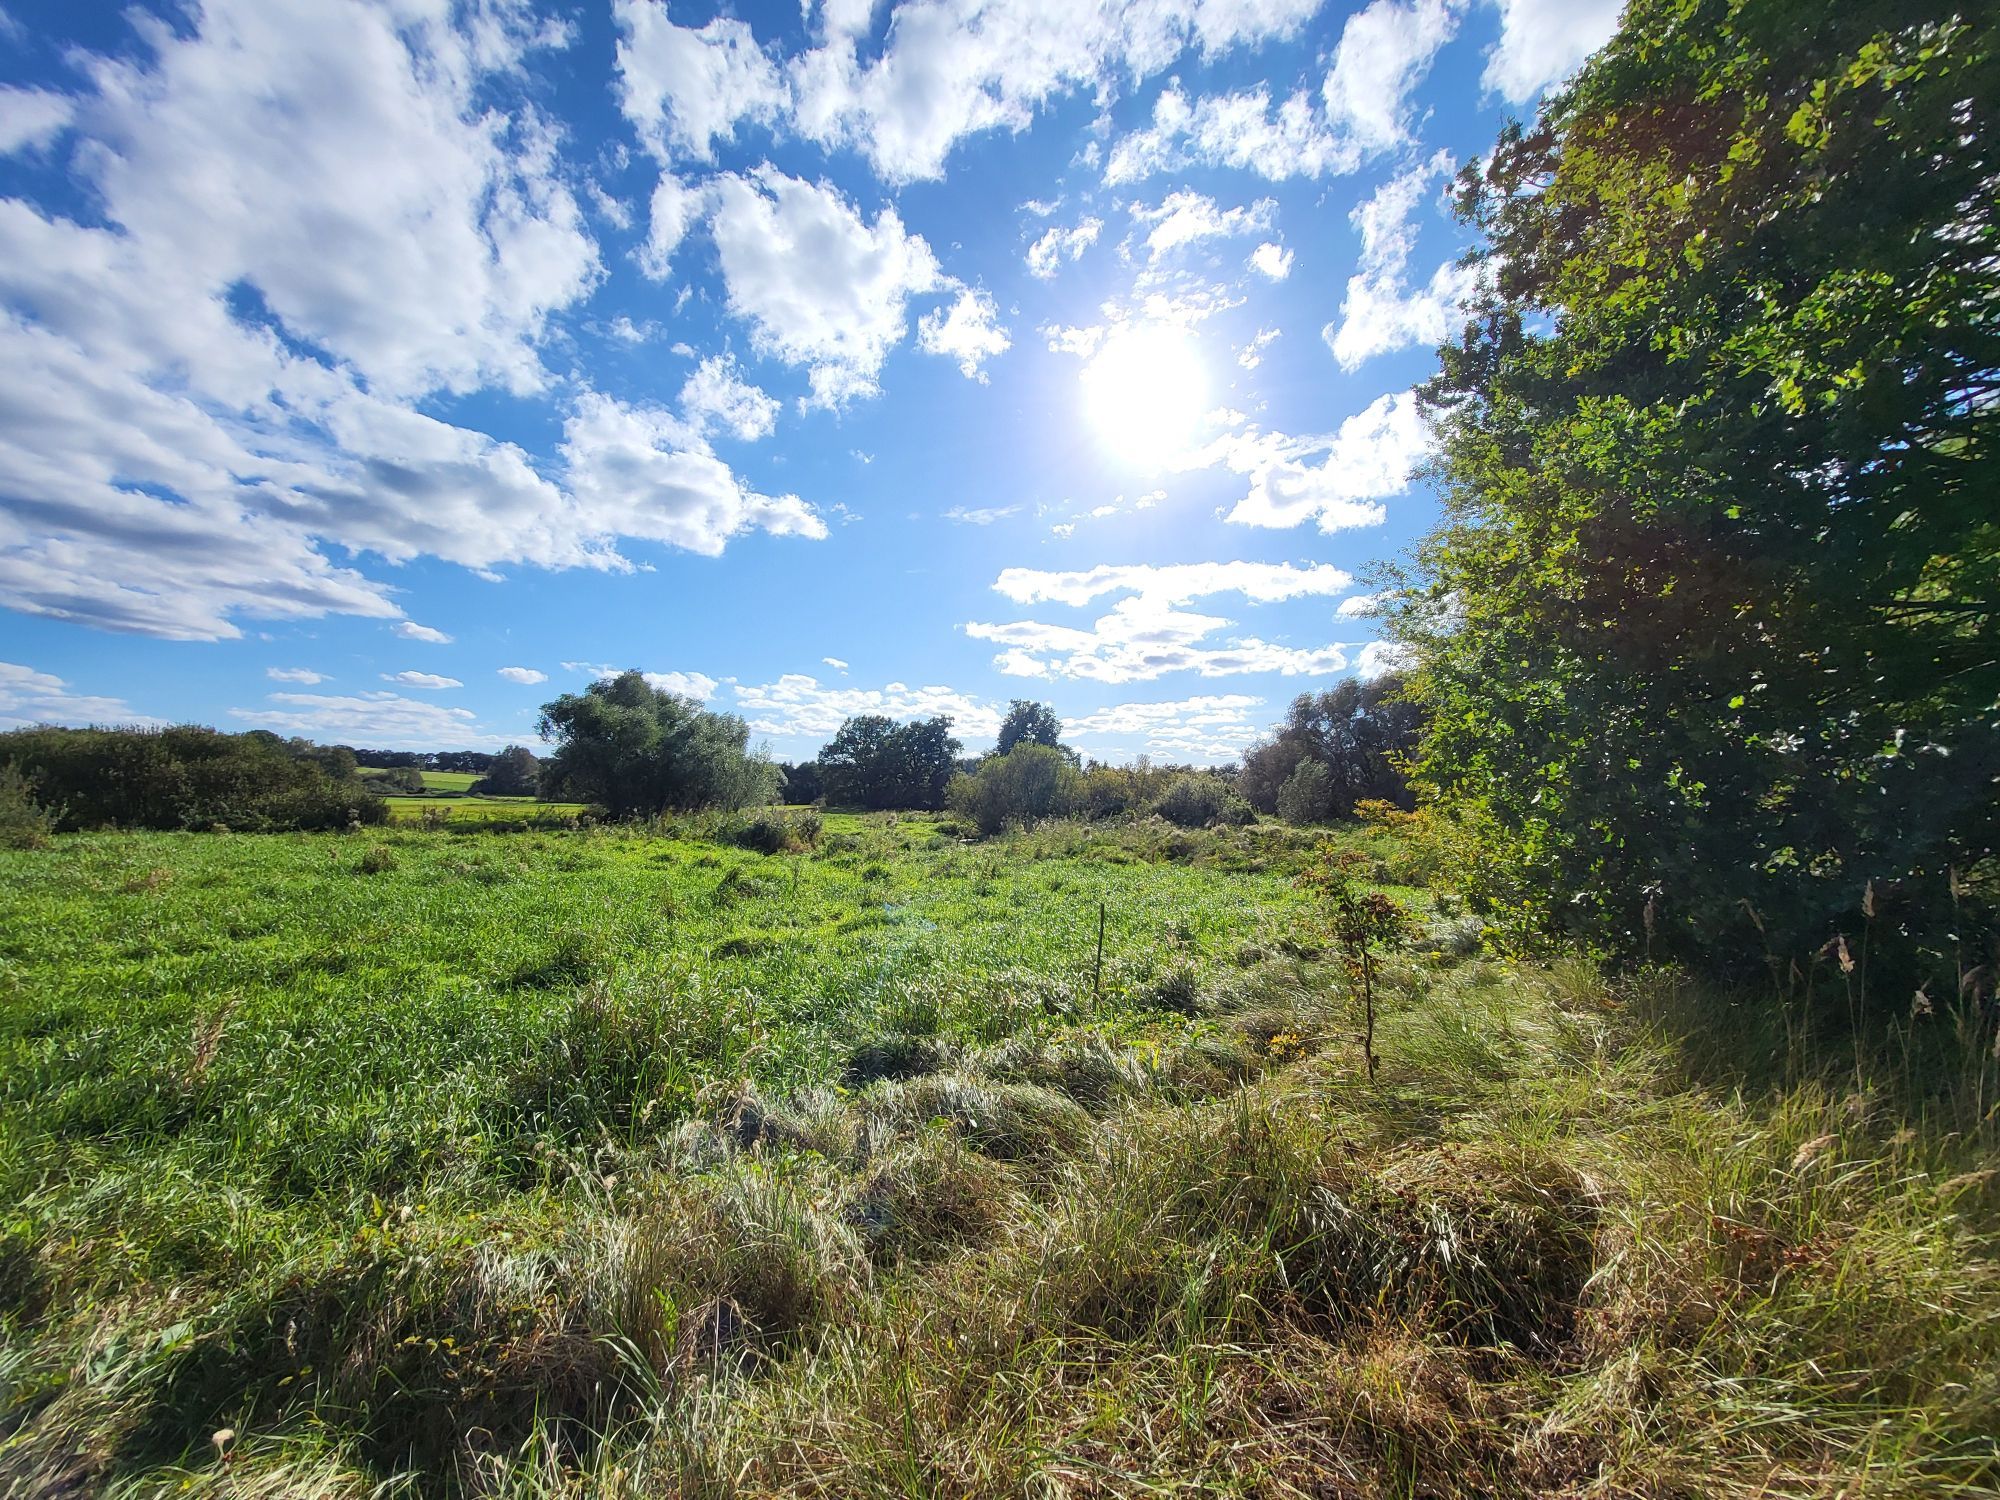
point(1028, 723)
point(874, 762)
point(634, 749)
point(1707, 633)
point(1359, 732)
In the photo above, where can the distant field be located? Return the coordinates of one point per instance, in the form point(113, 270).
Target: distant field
point(436, 781)
point(461, 809)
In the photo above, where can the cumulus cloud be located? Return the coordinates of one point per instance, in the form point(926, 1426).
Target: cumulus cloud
point(643, 472)
point(1240, 130)
point(410, 630)
point(1372, 455)
point(968, 333)
point(1148, 634)
point(799, 705)
point(1057, 245)
point(526, 676)
point(1379, 313)
point(1384, 52)
point(386, 720)
point(1205, 729)
point(1252, 353)
point(28, 697)
point(835, 662)
point(1271, 260)
point(685, 87)
point(697, 685)
point(818, 284)
point(308, 220)
point(716, 396)
point(429, 681)
point(1543, 41)
point(294, 674)
point(1379, 658)
point(1186, 218)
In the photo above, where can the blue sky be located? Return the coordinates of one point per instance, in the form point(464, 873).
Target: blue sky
point(373, 371)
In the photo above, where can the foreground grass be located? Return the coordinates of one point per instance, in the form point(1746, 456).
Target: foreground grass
point(599, 1164)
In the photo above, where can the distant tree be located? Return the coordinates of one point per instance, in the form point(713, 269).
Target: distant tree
point(874, 762)
point(1307, 795)
point(802, 784)
point(1360, 731)
point(402, 779)
point(634, 749)
point(515, 772)
point(1029, 723)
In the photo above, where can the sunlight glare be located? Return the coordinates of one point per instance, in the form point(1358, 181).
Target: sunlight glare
point(1145, 392)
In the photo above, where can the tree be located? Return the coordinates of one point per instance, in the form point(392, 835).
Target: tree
point(634, 749)
point(1361, 732)
point(515, 772)
point(1028, 723)
point(1307, 795)
point(802, 784)
point(1707, 632)
point(1030, 781)
point(874, 762)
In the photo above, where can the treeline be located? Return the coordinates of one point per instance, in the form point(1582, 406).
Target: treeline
point(1707, 636)
point(478, 762)
point(186, 777)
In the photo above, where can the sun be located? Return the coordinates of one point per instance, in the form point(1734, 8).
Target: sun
point(1145, 391)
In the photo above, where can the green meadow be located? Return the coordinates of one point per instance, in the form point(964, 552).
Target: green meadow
point(632, 1162)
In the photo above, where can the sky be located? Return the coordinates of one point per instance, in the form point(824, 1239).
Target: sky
point(375, 370)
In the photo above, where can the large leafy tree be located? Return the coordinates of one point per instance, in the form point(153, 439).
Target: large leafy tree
point(1028, 723)
point(1707, 634)
point(1360, 733)
point(633, 749)
point(872, 761)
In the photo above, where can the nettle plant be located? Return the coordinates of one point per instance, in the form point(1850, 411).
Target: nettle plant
point(1361, 922)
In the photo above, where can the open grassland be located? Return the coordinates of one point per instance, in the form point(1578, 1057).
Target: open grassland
point(608, 1163)
point(459, 808)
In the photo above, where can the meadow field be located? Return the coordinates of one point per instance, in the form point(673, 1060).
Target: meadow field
point(633, 1162)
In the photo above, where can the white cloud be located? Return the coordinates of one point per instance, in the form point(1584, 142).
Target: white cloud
point(1359, 607)
point(683, 88)
point(410, 630)
point(1204, 730)
point(798, 705)
point(1239, 130)
point(1384, 52)
point(376, 720)
point(673, 211)
point(526, 676)
point(697, 685)
point(1187, 218)
point(429, 681)
point(294, 674)
point(981, 516)
point(1372, 455)
point(716, 396)
point(1379, 313)
point(28, 697)
point(818, 285)
point(1082, 342)
point(954, 68)
point(1378, 658)
point(1543, 41)
point(1252, 353)
point(642, 472)
point(1271, 260)
point(1148, 635)
point(1057, 245)
point(969, 333)
point(31, 118)
point(1173, 583)
point(835, 662)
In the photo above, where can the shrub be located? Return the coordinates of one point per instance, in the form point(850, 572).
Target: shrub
point(24, 822)
point(1029, 782)
point(379, 860)
point(769, 831)
point(1195, 799)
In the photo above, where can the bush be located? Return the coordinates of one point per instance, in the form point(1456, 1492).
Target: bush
point(1195, 799)
point(379, 860)
point(1029, 782)
point(769, 831)
point(186, 777)
point(24, 822)
point(1307, 795)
